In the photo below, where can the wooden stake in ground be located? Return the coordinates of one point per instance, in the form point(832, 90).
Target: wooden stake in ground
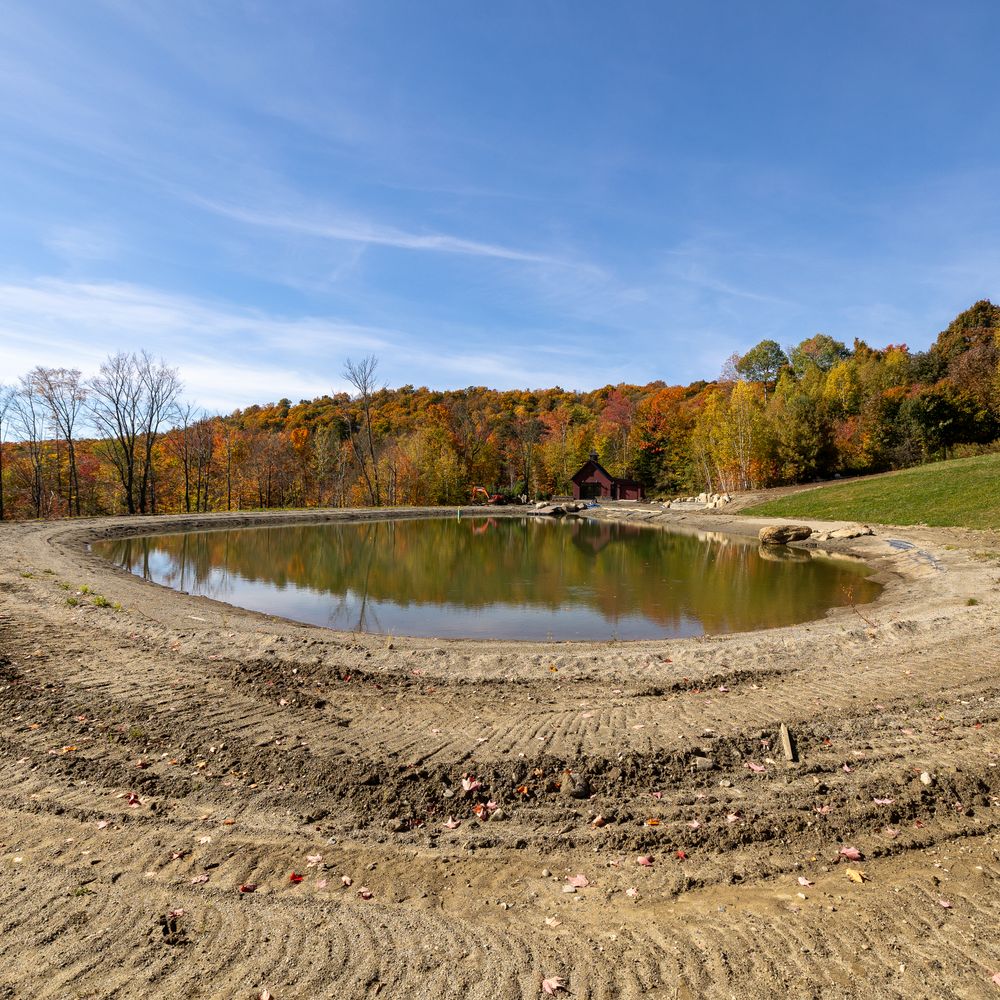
point(786, 743)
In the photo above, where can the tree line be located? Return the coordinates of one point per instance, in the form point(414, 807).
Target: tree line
point(124, 440)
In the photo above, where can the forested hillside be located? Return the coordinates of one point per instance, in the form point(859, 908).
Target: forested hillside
point(124, 440)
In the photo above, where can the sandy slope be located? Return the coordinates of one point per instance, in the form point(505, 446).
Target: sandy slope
point(253, 744)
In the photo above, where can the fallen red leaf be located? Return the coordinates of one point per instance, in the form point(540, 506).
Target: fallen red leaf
point(294, 878)
point(248, 887)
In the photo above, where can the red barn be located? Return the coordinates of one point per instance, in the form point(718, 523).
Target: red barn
point(594, 482)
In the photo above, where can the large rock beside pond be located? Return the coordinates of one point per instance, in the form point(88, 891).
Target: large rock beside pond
point(782, 534)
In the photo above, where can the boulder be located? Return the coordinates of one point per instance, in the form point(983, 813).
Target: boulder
point(857, 532)
point(782, 534)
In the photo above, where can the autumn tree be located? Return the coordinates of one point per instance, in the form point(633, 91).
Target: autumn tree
point(28, 419)
point(64, 392)
point(362, 375)
point(616, 421)
point(800, 430)
point(131, 397)
point(763, 363)
point(6, 398)
point(820, 351)
point(663, 428)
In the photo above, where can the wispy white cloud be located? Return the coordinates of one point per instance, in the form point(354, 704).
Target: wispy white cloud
point(228, 357)
point(362, 231)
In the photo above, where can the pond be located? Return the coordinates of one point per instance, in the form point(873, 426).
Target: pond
point(500, 577)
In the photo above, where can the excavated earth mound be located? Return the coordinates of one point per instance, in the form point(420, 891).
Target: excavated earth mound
point(198, 801)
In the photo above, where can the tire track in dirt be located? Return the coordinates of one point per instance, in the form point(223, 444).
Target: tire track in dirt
point(462, 912)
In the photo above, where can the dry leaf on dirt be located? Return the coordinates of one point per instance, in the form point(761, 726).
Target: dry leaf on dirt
point(471, 784)
point(346, 880)
point(248, 887)
point(552, 985)
point(294, 878)
point(552, 922)
point(313, 859)
point(856, 875)
point(756, 768)
point(944, 904)
point(883, 802)
point(365, 893)
point(804, 881)
point(578, 881)
point(645, 860)
point(452, 824)
point(321, 883)
point(849, 854)
point(200, 879)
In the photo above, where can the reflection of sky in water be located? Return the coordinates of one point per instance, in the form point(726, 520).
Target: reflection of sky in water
point(533, 581)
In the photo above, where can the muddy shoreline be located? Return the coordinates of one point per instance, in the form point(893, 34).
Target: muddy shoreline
point(132, 735)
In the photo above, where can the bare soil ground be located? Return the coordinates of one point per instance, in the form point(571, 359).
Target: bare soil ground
point(156, 759)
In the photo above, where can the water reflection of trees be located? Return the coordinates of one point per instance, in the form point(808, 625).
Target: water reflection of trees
point(618, 570)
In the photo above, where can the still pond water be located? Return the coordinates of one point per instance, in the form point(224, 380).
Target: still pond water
point(500, 578)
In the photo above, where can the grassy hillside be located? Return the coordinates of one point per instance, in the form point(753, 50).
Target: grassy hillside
point(964, 492)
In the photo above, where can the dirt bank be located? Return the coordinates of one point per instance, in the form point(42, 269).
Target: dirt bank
point(158, 757)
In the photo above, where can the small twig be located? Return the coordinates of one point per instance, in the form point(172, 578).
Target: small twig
point(849, 591)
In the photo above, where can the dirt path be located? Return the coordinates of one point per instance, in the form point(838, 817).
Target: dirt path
point(158, 757)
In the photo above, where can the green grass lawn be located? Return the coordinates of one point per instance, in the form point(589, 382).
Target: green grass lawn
point(964, 492)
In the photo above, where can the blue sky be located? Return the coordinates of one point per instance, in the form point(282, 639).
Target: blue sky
point(518, 194)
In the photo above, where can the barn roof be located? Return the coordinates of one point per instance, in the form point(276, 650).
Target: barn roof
point(588, 468)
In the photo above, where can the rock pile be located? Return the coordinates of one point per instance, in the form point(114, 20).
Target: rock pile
point(711, 501)
point(547, 509)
